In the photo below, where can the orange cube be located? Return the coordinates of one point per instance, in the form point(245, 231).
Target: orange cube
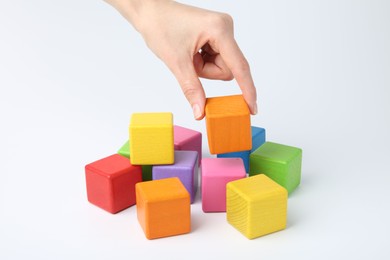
point(228, 124)
point(163, 208)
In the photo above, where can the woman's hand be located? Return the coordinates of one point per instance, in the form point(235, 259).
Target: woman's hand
point(193, 43)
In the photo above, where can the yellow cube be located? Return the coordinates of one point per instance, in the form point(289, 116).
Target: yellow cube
point(151, 138)
point(256, 206)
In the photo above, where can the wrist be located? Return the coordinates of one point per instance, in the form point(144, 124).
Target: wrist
point(136, 11)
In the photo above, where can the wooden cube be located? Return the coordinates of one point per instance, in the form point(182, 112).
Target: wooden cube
point(258, 138)
point(256, 206)
point(216, 173)
point(151, 138)
point(244, 155)
point(185, 168)
point(163, 208)
point(111, 183)
point(228, 124)
point(146, 169)
point(186, 139)
point(183, 138)
point(280, 162)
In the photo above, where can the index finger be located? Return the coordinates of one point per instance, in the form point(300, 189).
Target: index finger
point(240, 69)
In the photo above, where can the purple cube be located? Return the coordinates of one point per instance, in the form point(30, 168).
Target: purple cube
point(185, 168)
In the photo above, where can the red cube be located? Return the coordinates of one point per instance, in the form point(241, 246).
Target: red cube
point(111, 183)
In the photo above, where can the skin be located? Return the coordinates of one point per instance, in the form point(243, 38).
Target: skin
point(193, 43)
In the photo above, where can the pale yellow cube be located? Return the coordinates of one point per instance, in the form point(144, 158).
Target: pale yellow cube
point(151, 138)
point(256, 206)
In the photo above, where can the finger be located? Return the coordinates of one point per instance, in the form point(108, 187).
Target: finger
point(211, 67)
point(239, 67)
point(185, 74)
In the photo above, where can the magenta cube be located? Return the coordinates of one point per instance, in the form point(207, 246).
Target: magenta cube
point(216, 173)
point(187, 140)
point(185, 168)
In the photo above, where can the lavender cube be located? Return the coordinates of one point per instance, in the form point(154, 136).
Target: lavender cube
point(185, 168)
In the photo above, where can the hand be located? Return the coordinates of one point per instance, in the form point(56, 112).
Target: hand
point(193, 43)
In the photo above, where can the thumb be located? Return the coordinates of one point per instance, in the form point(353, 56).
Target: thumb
point(185, 74)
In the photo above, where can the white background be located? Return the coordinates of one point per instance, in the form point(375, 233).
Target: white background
point(72, 73)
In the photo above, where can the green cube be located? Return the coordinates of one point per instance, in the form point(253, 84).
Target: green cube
point(279, 162)
point(146, 169)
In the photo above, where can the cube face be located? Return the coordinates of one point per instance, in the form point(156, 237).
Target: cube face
point(228, 124)
point(258, 138)
point(256, 206)
point(267, 216)
point(123, 189)
point(244, 155)
point(188, 140)
point(163, 208)
point(162, 224)
point(125, 150)
point(151, 138)
point(99, 189)
point(146, 169)
point(216, 173)
point(185, 168)
point(111, 183)
point(281, 163)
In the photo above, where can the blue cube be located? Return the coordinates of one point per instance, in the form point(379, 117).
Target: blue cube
point(258, 138)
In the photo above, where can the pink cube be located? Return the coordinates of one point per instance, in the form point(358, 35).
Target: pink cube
point(216, 173)
point(187, 140)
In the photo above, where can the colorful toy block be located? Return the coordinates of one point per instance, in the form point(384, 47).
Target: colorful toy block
point(184, 139)
point(111, 183)
point(125, 150)
point(185, 168)
point(151, 138)
point(280, 162)
point(216, 173)
point(163, 208)
point(228, 124)
point(146, 169)
point(187, 140)
point(258, 138)
point(256, 206)
point(244, 156)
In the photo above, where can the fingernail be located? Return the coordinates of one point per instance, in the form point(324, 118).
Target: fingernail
point(196, 111)
point(255, 109)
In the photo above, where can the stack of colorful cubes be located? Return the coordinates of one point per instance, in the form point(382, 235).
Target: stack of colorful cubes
point(157, 169)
